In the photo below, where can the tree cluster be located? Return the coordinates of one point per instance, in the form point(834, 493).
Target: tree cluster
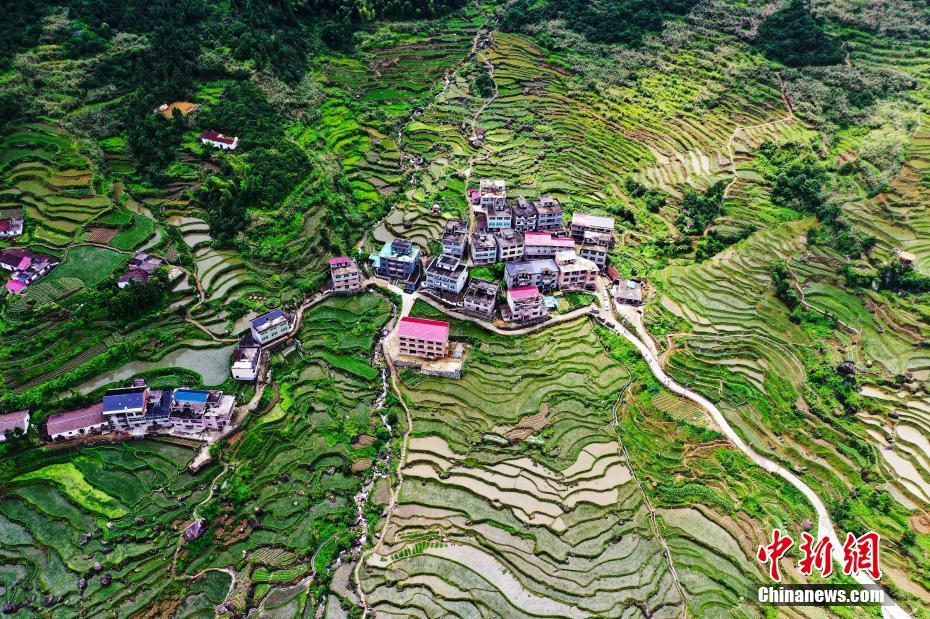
point(795, 37)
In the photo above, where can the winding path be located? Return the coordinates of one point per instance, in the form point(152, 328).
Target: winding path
point(824, 523)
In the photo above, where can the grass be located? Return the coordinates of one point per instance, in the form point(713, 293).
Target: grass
point(73, 484)
point(89, 264)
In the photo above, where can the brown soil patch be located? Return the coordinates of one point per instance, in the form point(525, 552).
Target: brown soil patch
point(528, 425)
point(361, 465)
point(921, 523)
point(186, 108)
point(101, 235)
point(362, 441)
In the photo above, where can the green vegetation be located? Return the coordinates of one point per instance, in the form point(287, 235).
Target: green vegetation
point(793, 36)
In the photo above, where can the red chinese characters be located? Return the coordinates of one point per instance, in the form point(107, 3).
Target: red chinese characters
point(860, 554)
point(775, 551)
point(819, 556)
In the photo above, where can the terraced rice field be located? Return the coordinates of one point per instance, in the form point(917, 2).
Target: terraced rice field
point(550, 525)
point(42, 171)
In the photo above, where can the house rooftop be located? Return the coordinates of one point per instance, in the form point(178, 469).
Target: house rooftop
point(341, 261)
point(630, 290)
point(118, 400)
point(191, 395)
point(265, 320)
point(75, 419)
point(523, 292)
point(531, 266)
point(423, 329)
point(588, 220)
point(10, 421)
point(215, 136)
point(481, 289)
point(446, 264)
point(11, 213)
point(545, 239)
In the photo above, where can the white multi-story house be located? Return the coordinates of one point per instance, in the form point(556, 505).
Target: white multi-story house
point(483, 248)
point(545, 245)
point(509, 245)
point(420, 337)
point(585, 222)
point(575, 273)
point(480, 298)
point(270, 326)
point(446, 273)
point(346, 276)
point(525, 303)
point(542, 273)
point(453, 238)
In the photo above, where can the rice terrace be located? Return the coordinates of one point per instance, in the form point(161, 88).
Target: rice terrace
point(449, 308)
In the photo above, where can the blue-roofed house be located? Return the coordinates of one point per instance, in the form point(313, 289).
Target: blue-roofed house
point(271, 326)
point(398, 259)
point(125, 408)
point(194, 410)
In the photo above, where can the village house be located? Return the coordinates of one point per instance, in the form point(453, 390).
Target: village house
point(270, 326)
point(509, 245)
point(499, 217)
point(544, 245)
point(483, 248)
point(492, 193)
point(524, 215)
point(480, 298)
point(541, 273)
point(549, 214)
point(141, 267)
point(453, 238)
point(525, 304)
point(11, 222)
point(194, 410)
point(575, 273)
point(595, 246)
point(346, 276)
point(446, 273)
point(585, 222)
point(27, 267)
point(124, 408)
point(420, 337)
point(10, 422)
point(79, 422)
point(398, 259)
point(218, 140)
point(629, 292)
point(246, 359)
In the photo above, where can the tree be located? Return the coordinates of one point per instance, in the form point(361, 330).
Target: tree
point(793, 36)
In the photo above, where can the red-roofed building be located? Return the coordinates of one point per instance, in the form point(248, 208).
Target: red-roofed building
point(544, 245)
point(218, 140)
point(79, 422)
point(420, 337)
point(525, 304)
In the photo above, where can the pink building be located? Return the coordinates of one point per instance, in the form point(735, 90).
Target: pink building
point(544, 245)
point(347, 278)
point(420, 337)
point(526, 303)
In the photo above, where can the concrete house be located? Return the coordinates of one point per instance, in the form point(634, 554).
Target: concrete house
point(218, 140)
point(10, 422)
point(545, 245)
point(398, 259)
point(194, 410)
point(525, 304)
point(524, 215)
point(575, 273)
point(27, 267)
point(245, 362)
point(595, 246)
point(509, 245)
point(141, 267)
point(419, 337)
point(11, 223)
point(125, 408)
point(446, 273)
point(492, 201)
point(543, 274)
point(483, 248)
point(585, 222)
point(453, 238)
point(480, 298)
point(270, 326)
point(629, 292)
point(79, 422)
point(549, 214)
point(346, 276)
